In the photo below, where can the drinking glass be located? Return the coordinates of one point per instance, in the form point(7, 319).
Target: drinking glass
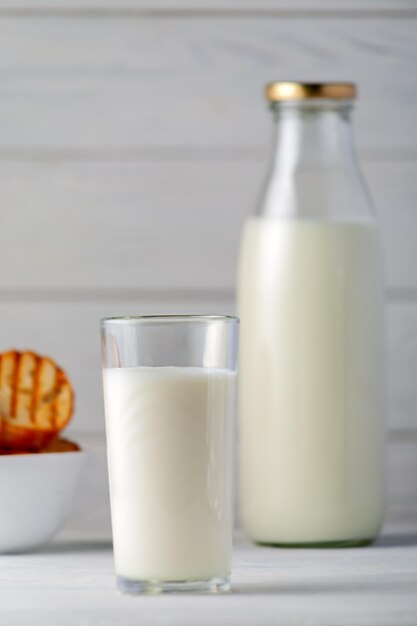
point(169, 393)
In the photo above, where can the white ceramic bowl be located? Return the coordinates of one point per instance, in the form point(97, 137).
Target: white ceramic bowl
point(36, 491)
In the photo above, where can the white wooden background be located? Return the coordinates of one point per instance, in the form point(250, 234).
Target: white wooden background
point(133, 138)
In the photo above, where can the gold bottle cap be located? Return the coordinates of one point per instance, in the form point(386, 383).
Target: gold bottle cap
point(280, 91)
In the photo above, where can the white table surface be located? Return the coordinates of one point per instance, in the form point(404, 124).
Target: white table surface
point(71, 582)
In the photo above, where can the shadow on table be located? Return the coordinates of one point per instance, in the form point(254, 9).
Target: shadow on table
point(306, 588)
point(74, 547)
point(396, 540)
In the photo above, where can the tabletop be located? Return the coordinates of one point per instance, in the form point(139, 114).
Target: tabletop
point(71, 582)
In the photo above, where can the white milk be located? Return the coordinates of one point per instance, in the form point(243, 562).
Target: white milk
point(311, 381)
point(170, 447)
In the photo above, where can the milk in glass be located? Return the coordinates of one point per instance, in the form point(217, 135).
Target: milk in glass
point(170, 442)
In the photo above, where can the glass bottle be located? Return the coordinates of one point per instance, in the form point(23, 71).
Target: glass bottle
point(311, 303)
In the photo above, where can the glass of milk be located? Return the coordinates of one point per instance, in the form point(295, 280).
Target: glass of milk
point(169, 393)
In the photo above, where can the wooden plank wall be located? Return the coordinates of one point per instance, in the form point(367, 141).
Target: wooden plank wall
point(133, 140)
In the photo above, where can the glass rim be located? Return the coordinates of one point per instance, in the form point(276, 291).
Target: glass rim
point(168, 318)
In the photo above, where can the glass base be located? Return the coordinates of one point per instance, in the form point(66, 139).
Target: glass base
point(126, 586)
point(344, 543)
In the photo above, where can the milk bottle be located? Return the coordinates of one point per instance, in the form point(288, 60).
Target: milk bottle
point(310, 299)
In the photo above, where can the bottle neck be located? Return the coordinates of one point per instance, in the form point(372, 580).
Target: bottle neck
point(314, 172)
point(312, 135)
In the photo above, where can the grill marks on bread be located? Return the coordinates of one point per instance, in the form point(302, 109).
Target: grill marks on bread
point(36, 400)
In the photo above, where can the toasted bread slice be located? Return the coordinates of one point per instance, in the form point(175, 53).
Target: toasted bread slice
point(36, 400)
